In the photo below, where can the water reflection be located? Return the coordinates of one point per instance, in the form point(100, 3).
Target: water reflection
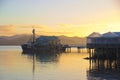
point(44, 56)
point(103, 70)
point(34, 61)
point(55, 66)
point(42, 65)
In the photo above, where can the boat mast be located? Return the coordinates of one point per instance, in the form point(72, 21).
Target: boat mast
point(33, 31)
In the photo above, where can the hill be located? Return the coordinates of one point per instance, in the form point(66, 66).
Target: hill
point(21, 39)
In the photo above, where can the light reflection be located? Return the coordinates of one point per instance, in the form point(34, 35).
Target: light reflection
point(54, 66)
point(103, 69)
point(44, 56)
point(67, 63)
point(34, 60)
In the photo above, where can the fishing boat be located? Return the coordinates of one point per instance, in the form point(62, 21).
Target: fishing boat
point(29, 46)
point(42, 43)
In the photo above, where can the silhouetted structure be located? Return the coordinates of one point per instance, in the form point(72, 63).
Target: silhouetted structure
point(104, 45)
point(103, 70)
point(44, 56)
point(42, 43)
point(67, 48)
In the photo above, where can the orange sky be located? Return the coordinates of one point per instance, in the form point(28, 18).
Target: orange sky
point(69, 18)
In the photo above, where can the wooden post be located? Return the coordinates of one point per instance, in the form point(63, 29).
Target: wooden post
point(70, 49)
point(118, 60)
point(78, 49)
point(90, 54)
point(90, 66)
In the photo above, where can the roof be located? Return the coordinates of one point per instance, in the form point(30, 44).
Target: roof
point(110, 34)
point(95, 34)
point(45, 40)
point(118, 33)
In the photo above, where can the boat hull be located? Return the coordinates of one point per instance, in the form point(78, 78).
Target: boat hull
point(27, 48)
point(36, 49)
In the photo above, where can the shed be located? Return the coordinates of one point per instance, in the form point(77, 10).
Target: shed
point(47, 40)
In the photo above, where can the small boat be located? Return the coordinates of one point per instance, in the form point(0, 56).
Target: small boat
point(42, 43)
point(29, 46)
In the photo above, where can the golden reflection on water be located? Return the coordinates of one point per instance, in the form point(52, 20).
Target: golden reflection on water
point(13, 61)
point(73, 60)
point(17, 66)
point(14, 65)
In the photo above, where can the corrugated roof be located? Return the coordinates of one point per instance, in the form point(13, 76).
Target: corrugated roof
point(109, 34)
point(45, 40)
point(118, 33)
point(95, 34)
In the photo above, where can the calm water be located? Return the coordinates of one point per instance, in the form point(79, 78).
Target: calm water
point(63, 66)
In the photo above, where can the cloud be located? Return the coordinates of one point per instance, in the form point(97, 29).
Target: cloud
point(59, 29)
point(83, 29)
point(31, 26)
point(54, 33)
point(6, 29)
point(68, 25)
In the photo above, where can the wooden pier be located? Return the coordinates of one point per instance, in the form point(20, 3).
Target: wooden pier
point(104, 51)
point(104, 46)
point(67, 48)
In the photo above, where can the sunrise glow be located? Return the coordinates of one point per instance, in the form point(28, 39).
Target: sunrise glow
point(59, 17)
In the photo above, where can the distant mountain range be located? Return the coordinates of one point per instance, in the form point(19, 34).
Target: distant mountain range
point(21, 39)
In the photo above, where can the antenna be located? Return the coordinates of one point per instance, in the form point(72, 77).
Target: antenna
point(33, 31)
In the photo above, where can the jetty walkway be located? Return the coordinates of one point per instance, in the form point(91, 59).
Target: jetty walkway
point(67, 48)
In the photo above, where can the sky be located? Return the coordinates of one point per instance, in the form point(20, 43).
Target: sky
point(59, 17)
